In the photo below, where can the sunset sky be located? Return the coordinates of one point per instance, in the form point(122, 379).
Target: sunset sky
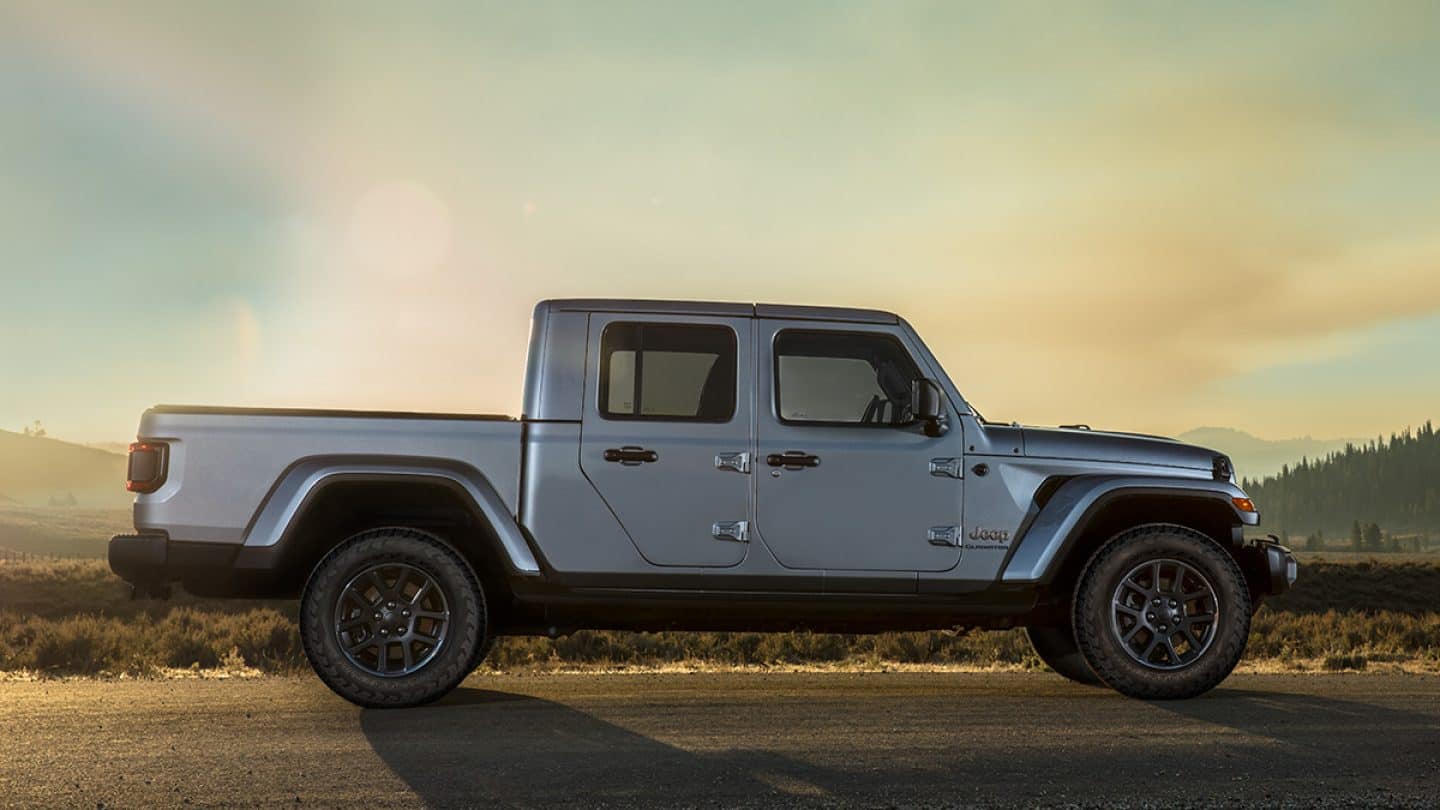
point(1140, 216)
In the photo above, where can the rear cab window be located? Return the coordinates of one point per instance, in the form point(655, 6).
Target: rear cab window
point(669, 372)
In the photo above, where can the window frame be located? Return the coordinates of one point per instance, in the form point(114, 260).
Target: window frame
point(775, 377)
point(602, 381)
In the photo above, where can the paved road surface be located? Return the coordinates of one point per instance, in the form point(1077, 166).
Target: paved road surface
point(722, 740)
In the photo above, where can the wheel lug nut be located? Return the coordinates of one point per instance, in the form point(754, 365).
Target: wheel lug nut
point(1149, 617)
point(377, 614)
point(1155, 601)
point(384, 632)
point(405, 613)
point(390, 604)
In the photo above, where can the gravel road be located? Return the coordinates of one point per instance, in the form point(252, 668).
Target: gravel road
point(746, 739)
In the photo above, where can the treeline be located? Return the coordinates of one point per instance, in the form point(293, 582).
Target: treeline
point(1384, 495)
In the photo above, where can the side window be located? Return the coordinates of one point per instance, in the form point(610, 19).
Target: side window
point(667, 371)
point(842, 378)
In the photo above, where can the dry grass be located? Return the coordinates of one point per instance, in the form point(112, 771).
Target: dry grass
point(71, 531)
point(75, 618)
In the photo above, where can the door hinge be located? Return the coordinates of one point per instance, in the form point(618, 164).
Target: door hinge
point(947, 468)
point(739, 462)
point(736, 530)
point(948, 536)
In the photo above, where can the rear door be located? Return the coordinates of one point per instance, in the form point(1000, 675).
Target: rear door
point(666, 433)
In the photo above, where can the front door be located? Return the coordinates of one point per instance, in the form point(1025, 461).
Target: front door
point(844, 476)
point(666, 433)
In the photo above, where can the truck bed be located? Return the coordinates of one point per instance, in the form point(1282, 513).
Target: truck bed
point(231, 468)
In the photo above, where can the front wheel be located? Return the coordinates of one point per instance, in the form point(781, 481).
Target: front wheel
point(1162, 612)
point(392, 617)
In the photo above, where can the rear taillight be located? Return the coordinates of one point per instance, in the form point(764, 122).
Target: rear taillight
point(146, 472)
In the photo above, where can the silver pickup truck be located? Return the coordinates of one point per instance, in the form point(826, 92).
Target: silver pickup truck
point(703, 466)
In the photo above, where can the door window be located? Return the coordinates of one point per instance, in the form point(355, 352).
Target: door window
point(842, 378)
point(667, 372)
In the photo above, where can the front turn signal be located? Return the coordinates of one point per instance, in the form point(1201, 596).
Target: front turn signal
point(1244, 504)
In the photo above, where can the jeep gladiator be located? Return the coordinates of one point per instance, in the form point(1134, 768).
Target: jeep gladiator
point(703, 466)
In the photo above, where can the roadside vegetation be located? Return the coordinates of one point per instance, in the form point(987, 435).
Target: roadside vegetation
point(75, 618)
point(1379, 497)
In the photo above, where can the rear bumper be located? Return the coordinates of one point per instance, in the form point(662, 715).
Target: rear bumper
point(151, 560)
point(140, 559)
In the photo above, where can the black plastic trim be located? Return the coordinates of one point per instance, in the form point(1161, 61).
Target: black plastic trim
point(1103, 502)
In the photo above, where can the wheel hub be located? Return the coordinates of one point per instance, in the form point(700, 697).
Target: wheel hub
point(392, 619)
point(1164, 614)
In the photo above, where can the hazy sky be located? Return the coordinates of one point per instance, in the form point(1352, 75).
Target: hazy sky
point(1143, 216)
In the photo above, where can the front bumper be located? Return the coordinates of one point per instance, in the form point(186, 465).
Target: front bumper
point(1270, 566)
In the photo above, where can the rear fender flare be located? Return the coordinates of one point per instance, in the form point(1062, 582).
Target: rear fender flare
point(298, 486)
point(1042, 549)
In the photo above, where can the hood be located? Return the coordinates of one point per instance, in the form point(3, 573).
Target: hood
point(1132, 448)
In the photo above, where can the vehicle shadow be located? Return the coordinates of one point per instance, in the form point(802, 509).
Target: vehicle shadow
point(478, 746)
point(1038, 743)
point(1306, 722)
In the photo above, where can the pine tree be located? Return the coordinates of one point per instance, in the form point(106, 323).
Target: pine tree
point(1373, 538)
point(1392, 481)
point(1357, 537)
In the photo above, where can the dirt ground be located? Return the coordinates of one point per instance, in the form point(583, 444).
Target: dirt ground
point(723, 739)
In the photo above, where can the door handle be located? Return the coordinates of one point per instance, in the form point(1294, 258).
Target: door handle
point(792, 460)
point(630, 455)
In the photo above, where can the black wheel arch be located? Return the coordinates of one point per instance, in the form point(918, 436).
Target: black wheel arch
point(1205, 512)
point(343, 505)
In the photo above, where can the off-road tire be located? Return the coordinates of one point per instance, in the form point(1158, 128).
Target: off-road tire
point(450, 664)
point(1057, 648)
point(1092, 611)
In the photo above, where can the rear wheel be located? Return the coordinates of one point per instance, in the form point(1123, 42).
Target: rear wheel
point(1056, 647)
point(1162, 612)
point(392, 617)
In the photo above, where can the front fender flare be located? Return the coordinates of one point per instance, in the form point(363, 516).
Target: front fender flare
point(302, 481)
point(1060, 522)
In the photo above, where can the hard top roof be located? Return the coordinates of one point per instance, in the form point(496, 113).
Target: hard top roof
point(721, 309)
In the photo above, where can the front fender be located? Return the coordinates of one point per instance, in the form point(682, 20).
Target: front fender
point(304, 480)
point(1042, 547)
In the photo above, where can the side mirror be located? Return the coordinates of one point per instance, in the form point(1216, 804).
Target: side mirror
point(926, 402)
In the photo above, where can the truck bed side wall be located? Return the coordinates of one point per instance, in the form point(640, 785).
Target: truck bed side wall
point(224, 469)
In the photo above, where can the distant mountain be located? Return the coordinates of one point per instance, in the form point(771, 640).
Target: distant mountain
point(1255, 457)
point(39, 471)
point(123, 448)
